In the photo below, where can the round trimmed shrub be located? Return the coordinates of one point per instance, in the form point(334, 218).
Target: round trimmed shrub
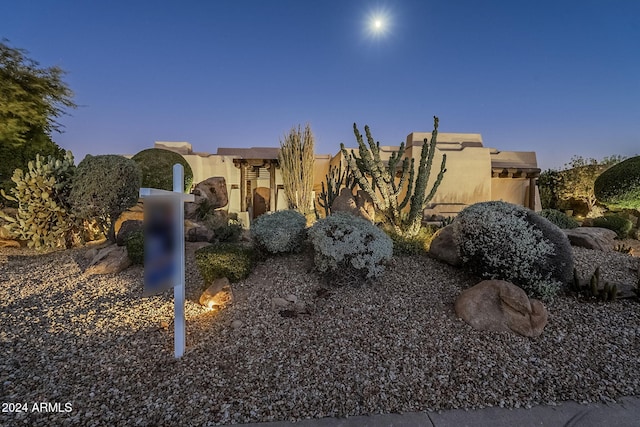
point(349, 247)
point(279, 232)
point(135, 247)
point(499, 240)
point(619, 186)
point(103, 187)
point(622, 226)
point(559, 218)
point(228, 260)
point(156, 165)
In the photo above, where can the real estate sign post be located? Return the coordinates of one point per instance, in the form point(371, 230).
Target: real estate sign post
point(164, 247)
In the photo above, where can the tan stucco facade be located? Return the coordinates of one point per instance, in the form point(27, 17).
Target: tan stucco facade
point(475, 173)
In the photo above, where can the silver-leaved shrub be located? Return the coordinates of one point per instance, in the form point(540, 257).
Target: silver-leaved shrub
point(279, 232)
point(499, 240)
point(349, 248)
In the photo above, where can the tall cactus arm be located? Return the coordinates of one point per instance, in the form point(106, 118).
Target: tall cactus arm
point(436, 184)
point(362, 181)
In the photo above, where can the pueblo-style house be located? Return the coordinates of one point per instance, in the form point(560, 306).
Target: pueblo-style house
point(475, 173)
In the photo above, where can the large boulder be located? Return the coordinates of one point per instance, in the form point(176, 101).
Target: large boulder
point(112, 259)
point(497, 305)
point(135, 213)
point(213, 189)
point(444, 247)
point(125, 230)
point(598, 238)
point(360, 205)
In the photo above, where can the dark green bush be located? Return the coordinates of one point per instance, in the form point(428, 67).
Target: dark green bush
point(135, 247)
point(549, 184)
point(279, 232)
point(619, 186)
point(619, 224)
point(229, 232)
point(224, 260)
point(156, 165)
point(558, 218)
point(103, 187)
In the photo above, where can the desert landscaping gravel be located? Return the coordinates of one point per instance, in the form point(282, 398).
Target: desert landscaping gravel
point(391, 346)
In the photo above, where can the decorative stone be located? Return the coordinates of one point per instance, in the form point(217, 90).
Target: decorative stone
point(8, 243)
point(236, 324)
point(195, 232)
point(300, 307)
point(280, 302)
point(598, 238)
point(126, 229)
point(218, 294)
point(91, 253)
point(135, 213)
point(112, 259)
point(366, 208)
point(444, 248)
point(497, 305)
point(291, 298)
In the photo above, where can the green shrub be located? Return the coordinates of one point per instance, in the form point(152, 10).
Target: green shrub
point(104, 187)
point(135, 247)
point(156, 165)
point(43, 217)
point(558, 218)
point(229, 232)
point(622, 226)
point(499, 240)
point(279, 232)
point(349, 248)
point(410, 245)
point(619, 186)
point(224, 260)
point(549, 184)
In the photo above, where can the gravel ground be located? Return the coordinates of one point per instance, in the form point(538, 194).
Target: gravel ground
point(394, 346)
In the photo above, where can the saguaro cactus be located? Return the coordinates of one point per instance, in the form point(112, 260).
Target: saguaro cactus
point(386, 188)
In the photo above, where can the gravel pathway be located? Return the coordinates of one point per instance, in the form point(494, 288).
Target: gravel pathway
point(394, 346)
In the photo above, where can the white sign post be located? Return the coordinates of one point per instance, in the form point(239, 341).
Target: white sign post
point(175, 199)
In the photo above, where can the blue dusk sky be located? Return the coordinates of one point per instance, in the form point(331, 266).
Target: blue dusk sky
point(557, 77)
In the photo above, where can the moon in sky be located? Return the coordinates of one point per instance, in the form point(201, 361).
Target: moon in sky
point(378, 24)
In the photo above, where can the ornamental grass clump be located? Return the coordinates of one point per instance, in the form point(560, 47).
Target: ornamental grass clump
point(499, 240)
point(279, 232)
point(228, 260)
point(349, 248)
point(561, 219)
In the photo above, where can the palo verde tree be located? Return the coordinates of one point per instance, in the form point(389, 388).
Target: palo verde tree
point(296, 163)
point(32, 98)
point(578, 178)
point(392, 185)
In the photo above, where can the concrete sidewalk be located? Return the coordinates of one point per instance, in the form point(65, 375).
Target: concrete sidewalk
point(567, 414)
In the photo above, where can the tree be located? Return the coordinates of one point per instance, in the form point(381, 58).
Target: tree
point(619, 186)
point(31, 99)
point(579, 176)
point(385, 190)
point(296, 163)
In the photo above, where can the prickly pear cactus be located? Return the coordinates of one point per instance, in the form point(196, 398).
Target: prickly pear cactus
point(43, 218)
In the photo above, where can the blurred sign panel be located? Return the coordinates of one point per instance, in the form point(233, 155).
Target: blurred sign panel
point(160, 246)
